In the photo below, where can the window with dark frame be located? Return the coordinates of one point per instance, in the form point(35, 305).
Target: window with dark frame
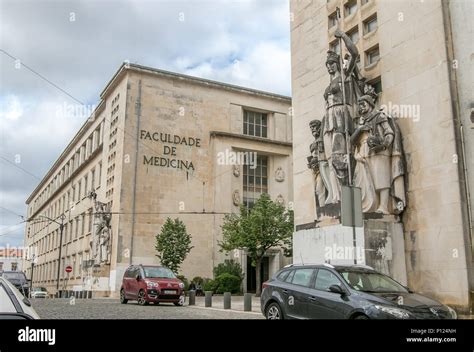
point(255, 181)
point(255, 123)
point(350, 8)
point(332, 20)
point(372, 55)
point(377, 84)
point(370, 24)
point(353, 34)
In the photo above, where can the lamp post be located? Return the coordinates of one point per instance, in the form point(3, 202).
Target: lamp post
point(61, 227)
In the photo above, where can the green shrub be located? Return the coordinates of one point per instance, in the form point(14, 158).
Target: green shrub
point(229, 267)
point(228, 283)
point(210, 285)
point(184, 280)
point(198, 280)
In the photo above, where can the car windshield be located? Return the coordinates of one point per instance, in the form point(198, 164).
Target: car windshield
point(14, 276)
point(39, 289)
point(158, 272)
point(371, 282)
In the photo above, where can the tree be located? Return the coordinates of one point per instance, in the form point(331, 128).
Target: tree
point(268, 224)
point(173, 244)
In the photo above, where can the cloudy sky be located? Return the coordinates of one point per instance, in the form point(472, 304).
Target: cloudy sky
point(78, 46)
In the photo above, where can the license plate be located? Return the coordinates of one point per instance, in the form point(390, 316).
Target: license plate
point(169, 292)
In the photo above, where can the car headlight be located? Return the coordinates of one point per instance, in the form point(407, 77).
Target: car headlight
point(396, 312)
point(181, 285)
point(151, 284)
point(453, 313)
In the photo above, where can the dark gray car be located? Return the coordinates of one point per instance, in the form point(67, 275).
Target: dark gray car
point(19, 280)
point(344, 292)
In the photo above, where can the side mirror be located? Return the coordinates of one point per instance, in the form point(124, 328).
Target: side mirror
point(337, 289)
point(138, 277)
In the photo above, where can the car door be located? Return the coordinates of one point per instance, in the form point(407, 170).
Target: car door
point(297, 292)
point(324, 304)
point(129, 283)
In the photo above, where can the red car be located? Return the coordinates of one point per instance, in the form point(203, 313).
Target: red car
point(151, 283)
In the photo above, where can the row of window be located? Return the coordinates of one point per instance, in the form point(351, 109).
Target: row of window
point(13, 266)
point(48, 271)
point(70, 197)
point(80, 156)
point(350, 8)
point(72, 230)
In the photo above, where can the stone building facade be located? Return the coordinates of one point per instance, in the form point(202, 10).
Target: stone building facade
point(158, 145)
point(417, 56)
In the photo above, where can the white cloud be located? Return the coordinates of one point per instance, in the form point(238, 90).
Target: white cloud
point(11, 108)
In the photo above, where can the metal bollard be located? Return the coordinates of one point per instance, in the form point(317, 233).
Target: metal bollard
point(227, 300)
point(248, 302)
point(192, 298)
point(208, 299)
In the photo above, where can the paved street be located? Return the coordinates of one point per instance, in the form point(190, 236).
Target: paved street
point(112, 309)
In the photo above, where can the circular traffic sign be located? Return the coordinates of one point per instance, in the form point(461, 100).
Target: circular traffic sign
point(68, 269)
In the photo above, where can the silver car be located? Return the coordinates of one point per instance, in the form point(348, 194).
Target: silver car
point(39, 292)
point(13, 305)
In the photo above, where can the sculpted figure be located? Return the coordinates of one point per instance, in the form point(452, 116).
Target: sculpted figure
point(378, 152)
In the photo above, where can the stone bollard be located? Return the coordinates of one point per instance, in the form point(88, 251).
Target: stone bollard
point(227, 300)
point(208, 299)
point(192, 298)
point(248, 302)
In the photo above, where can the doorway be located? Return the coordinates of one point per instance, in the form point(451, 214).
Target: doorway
point(252, 273)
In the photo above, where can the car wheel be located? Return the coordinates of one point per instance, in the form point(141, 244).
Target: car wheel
point(123, 300)
point(141, 298)
point(274, 312)
point(362, 317)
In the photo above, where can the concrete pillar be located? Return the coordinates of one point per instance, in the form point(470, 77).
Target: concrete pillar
point(208, 299)
point(227, 300)
point(192, 298)
point(248, 302)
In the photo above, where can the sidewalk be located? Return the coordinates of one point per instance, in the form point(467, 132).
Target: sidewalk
point(237, 303)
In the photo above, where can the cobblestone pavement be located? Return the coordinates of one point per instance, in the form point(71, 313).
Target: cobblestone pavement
point(112, 309)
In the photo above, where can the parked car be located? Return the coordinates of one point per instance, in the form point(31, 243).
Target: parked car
point(344, 292)
point(13, 305)
point(39, 292)
point(19, 280)
point(151, 284)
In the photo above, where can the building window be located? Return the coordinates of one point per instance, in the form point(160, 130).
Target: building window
point(100, 174)
point(255, 178)
point(350, 7)
point(79, 191)
point(372, 56)
point(14, 266)
point(335, 46)
point(332, 20)
point(86, 185)
point(377, 84)
point(255, 124)
point(353, 35)
point(93, 179)
point(370, 24)
point(89, 228)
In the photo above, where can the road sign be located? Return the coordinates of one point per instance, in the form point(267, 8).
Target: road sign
point(68, 269)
